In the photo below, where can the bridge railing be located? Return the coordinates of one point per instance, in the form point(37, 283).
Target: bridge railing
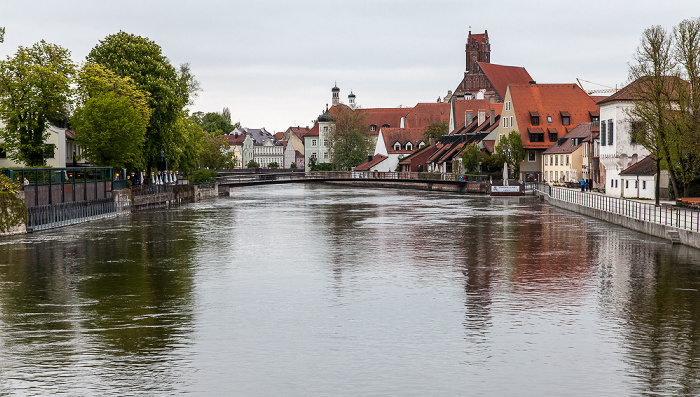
point(667, 215)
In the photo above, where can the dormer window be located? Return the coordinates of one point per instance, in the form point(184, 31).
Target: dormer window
point(373, 127)
point(565, 118)
point(385, 126)
point(409, 146)
point(421, 144)
point(549, 119)
point(534, 118)
point(397, 146)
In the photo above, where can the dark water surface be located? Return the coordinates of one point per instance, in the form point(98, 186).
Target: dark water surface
point(321, 291)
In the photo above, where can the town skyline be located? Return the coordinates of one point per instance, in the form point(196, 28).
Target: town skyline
point(273, 64)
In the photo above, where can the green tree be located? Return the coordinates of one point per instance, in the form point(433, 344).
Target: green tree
point(189, 139)
point(215, 153)
point(470, 158)
point(212, 122)
point(111, 118)
point(435, 131)
point(273, 164)
point(252, 164)
point(349, 142)
point(511, 148)
point(34, 90)
point(111, 131)
point(169, 89)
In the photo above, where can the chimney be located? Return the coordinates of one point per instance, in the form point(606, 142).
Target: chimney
point(468, 117)
point(369, 158)
point(492, 116)
point(431, 140)
point(482, 116)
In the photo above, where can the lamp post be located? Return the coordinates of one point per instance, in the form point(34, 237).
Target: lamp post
point(42, 154)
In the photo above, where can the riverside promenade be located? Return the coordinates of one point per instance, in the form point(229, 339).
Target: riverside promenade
point(677, 224)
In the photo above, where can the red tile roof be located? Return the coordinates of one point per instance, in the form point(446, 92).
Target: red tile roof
point(646, 166)
point(234, 140)
point(627, 92)
point(549, 100)
point(566, 145)
point(402, 136)
point(376, 159)
point(424, 114)
point(500, 76)
point(279, 136)
point(384, 116)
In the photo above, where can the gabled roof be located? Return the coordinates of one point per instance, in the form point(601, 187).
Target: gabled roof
point(279, 136)
point(420, 156)
point(549, 100)
point(402, 136)
point(566, 143)
point(646, 166)
point(235, 140)
point(424, 114)
point(384, 116)
point(627, 92)
point(500, 76)
point(313, 131)
point(299, 131)
point(376, 159)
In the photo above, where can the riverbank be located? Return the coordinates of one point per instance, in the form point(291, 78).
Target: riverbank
point(666, 221)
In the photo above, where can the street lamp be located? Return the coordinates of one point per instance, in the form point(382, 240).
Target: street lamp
point(42, 154)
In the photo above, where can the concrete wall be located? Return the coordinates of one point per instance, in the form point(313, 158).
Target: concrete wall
point(689, 238)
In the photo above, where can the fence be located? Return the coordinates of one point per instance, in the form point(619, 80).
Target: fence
point(666, 215)
point(56, 215)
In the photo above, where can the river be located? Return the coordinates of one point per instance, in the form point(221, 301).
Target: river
point(312, 290)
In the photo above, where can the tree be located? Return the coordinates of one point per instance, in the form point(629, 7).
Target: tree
point(189, 139)
point(252, 164)
point(435, 131)
point(349, 142)
point(470, 158)
point(111, 118)
point(169, 89)
point(273, 164)
point(511, 148)
point(34, 90)
point(212, 122)
point(215, 153)
point(111, 131)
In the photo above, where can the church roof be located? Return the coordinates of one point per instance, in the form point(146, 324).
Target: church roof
point(500, 76)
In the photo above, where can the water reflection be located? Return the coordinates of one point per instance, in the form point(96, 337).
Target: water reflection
point(316, 290)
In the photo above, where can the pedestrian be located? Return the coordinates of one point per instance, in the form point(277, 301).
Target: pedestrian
point(588, 188)
point(583, 185)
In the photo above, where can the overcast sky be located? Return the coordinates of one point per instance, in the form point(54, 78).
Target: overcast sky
point(273, 63)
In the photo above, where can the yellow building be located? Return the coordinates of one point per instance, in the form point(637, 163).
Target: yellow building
point(566, 161)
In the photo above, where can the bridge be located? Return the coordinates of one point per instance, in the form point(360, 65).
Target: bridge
point(413, 180)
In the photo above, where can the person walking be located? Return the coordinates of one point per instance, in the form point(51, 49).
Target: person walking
point(583, 185)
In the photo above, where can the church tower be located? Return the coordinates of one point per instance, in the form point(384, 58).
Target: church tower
point(478, 49)
point(351, 101)
point(336, 95)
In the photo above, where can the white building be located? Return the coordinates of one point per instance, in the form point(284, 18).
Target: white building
point(264, 147)
point(618, 150)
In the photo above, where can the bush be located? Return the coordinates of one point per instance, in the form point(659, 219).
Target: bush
point(203, 176)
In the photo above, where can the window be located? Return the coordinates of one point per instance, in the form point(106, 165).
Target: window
point(511, 121)
point(549, 119)
point(644, 185)
point(386, 126)
point(556, 160)
point(508, 105)
point(602, 134)
point(566, 120)
point(397, 146)
point(313, 142)
point(627, 184)
point(325, 129)
point(421, 144)
point(546, 160)
point(373, 127)
point(610, 132)
point(636, 184)
point(551, 178)
point(567, 159)
point(505, 122)
point(531, 156)
point(535, 120)
point(325, 142)
point(556, 175)
point(409, 146)
point(325, 155)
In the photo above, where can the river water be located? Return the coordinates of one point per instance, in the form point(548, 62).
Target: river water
point(311, 290)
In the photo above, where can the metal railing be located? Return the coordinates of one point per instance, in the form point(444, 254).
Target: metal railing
point(354, 175)
point(666, 215)
point(62, 214)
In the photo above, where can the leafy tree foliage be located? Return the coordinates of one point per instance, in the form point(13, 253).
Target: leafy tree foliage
point(111, 130)
point(214, 122)
point(511, 148)
point(273, 164)
point(169, 89)
point(34, 90)
point(471, 158)
point(253, 164)
point(215, 153)
point(111, 118)
point(349, 141)
point(189, 139)
point(435, 130)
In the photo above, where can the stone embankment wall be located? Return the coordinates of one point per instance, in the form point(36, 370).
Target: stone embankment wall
point(686, 237)
point(180, 194)
point(19, 229)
